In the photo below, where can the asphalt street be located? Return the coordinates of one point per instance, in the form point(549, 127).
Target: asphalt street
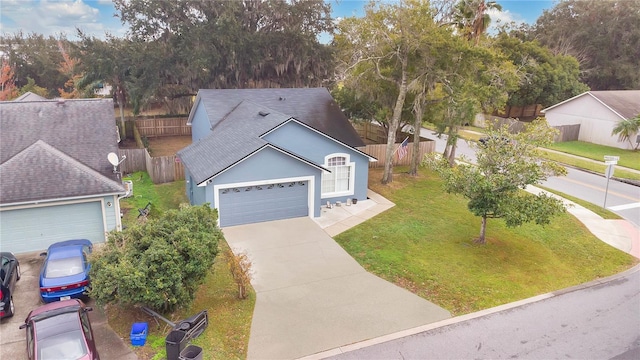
point(621, 198)
point(598, 320)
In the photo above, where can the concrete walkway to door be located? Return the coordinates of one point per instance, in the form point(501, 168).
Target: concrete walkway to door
point(312, 296)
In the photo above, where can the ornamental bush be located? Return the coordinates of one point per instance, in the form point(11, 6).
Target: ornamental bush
point(159, 263)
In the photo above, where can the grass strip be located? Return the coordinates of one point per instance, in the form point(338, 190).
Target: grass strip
point(628, 158)
point(603, 213)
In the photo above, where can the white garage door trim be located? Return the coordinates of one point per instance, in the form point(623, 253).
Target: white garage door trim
point(310, 191)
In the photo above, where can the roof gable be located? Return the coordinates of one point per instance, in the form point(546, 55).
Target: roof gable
point(309, 128)
point(624, 103)
point(312, 106)
point(235, 137)
point(84, 129)
point(41, 172)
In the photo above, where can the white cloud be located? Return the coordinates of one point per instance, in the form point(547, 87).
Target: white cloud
point(51, 17)
point(499, 18)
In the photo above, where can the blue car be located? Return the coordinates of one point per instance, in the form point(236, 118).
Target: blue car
point(65, 272)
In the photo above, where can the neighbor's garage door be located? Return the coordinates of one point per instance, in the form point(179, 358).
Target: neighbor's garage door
point(251, 204)
point(35, 229)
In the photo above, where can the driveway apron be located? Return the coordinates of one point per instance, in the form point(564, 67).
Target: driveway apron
point(312, 296)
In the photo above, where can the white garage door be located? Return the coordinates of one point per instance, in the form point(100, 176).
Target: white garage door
point(34, 229)
point(251, 204)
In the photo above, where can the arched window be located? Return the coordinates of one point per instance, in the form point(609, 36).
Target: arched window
point(339, 181)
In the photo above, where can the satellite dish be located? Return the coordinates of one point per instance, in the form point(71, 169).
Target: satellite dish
point(113, 159)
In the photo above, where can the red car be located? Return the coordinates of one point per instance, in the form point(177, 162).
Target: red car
point(60, 330)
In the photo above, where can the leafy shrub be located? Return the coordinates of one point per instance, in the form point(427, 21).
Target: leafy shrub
point(159, 263)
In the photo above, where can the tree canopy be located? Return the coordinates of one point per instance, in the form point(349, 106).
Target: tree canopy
point(505, 165)
point(545, 78)
point(159, 263)
point(603, 35)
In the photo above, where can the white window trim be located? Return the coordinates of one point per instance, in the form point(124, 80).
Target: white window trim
point(352, 176)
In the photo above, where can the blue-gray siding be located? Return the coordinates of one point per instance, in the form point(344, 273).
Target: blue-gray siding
point(313, 146)
point(34, 229)
point(266, 165)
point(200, 125)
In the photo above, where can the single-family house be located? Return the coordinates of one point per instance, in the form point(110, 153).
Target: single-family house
point(597, 113)
point(268, 154)
point(56, 181)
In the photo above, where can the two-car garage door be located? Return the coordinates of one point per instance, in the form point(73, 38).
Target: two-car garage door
point(34, 229)
point(265, 202)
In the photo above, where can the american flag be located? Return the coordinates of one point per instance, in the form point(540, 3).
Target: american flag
point(403, 150)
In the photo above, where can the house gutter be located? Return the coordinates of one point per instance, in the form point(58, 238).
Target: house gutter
point(59, 200)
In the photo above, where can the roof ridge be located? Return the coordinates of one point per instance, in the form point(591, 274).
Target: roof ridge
point(64, 157)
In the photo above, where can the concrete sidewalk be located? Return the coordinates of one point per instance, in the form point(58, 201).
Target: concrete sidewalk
point(341, 218)
point(621, 234)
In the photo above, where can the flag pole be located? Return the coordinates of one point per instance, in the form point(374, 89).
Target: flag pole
point(396, 150)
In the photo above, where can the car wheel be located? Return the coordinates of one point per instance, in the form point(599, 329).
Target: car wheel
point(17, 272)
point(12, 307)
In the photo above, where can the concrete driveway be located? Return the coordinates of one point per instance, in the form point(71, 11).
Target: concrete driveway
point(26, 298)
point(312, 296)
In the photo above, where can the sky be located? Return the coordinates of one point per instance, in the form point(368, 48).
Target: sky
point(97, 17)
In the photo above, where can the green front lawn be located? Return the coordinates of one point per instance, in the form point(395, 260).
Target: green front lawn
point(628, 158)
point(425, 244)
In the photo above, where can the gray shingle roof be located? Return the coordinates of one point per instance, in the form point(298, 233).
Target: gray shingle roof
point(82, 129)
point(235, 137)
point(55, 175)
point(312, 106)
point(624, 102)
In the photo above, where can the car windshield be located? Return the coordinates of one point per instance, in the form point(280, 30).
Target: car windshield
point(65, 346)
point(63, 267)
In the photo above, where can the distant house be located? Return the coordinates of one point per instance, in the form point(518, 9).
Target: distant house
point(56, 182)
point(29, 96)
point(597, 113)
point(268, 154)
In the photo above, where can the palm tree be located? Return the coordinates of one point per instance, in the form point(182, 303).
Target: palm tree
point(626, 128)
point(471, 19)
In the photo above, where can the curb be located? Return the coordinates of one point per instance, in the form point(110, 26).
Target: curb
point(462, 318)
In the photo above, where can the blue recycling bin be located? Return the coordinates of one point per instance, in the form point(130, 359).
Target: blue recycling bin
point(138, 334)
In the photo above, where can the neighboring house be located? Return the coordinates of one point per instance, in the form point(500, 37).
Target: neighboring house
point(29, 96)
point(597, 113)
point(56, 182)
point(268, 154)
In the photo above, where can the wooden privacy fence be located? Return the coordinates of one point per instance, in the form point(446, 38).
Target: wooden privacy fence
point(161, 169)
point(372, 132)
point(567, 133)
point(378, 151)
point(163, 127)
point(526, 112)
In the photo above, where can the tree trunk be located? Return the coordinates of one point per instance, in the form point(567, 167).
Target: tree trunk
point(483, 230)
point(452, 137)
point(417, 125)
point(120, 96)
point(393, 125)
